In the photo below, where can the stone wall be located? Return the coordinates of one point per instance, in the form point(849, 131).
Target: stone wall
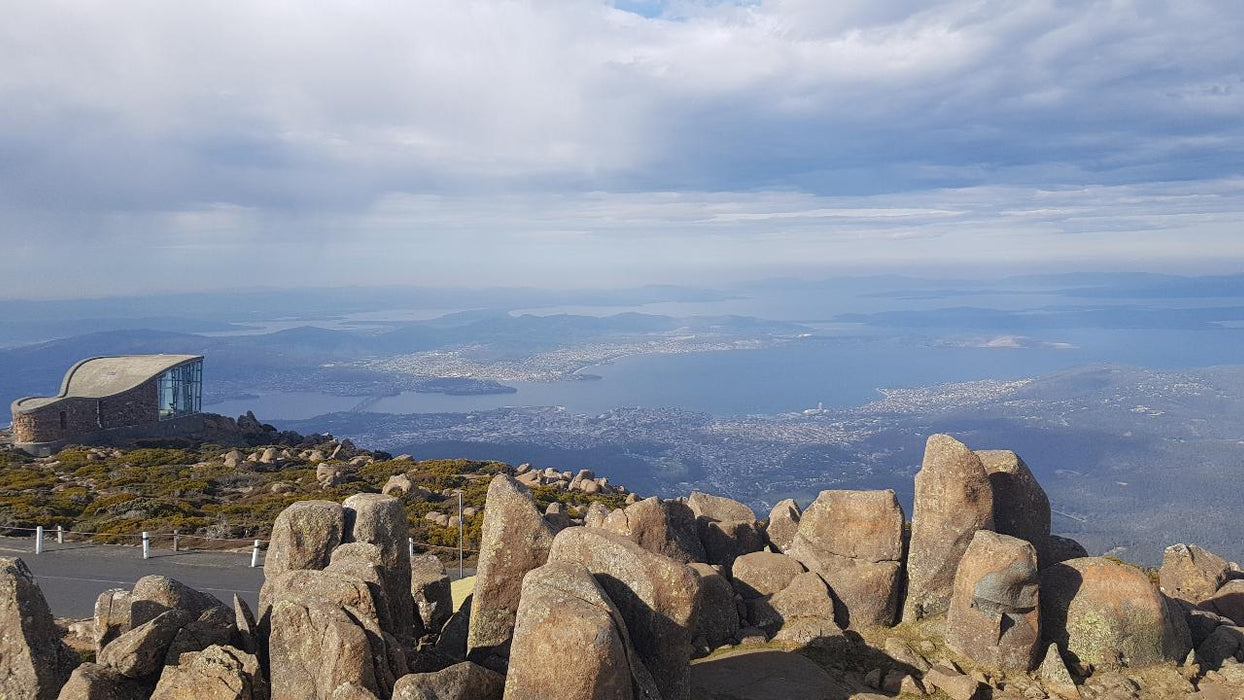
point(74, 417)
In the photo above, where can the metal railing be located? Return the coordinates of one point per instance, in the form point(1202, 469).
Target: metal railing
point(145, 538)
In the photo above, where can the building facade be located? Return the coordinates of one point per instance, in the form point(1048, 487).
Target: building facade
point(108, 393)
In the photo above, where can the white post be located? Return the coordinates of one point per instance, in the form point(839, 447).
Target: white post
point(60, 535)
point(146, 545)
point(255, 555)
point(459, 534)
point(175, 542)
point(39, 539)
point(411, 546)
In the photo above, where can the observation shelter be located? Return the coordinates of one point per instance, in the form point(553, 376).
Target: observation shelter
point(125, 396)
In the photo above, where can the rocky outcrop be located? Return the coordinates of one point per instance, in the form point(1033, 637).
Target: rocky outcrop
point(430, 587)
point(783, 524)
point(716, 616)
point(156, 595)
point(655, 595)
point(571, 642)
point(764, 573)
point(216, 673)
point(726, 528)
point(1228, 601)
point(380, 521)
point(457, 682)
point(854, 541)
point(141, 652)
point(596, 514)
point(667, 528)
point(304, 536)
point(514, 540)
point(1020, 507)
point(994, 614)
point(95, 682)
point(112, 616)
point(33, 662)
point(1054, 675)
point(1191, 573)
point(953, 500)
point(1108, 614)
point(319, 651)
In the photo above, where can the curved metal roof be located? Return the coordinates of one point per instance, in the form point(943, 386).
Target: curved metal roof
point(97, 377)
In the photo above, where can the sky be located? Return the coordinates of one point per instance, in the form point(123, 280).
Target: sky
point(148, 146)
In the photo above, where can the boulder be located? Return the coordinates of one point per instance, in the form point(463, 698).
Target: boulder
point(308, 586)
point(95, 682)
point(515, 538)
point(112, 616)
point(596, 514)
point(953, 500)
point(805, 603)
point(398, 485)
point(140, 652)
point(328, 474)
point(304, 536)
point(726, 528)
point(216, 673)
point(458, 682)
point(667, 528)
point(380, 520)
point(783, 524)
point(244, 621)
point(1020, 507)
point(1201, 623)
point(655, 595)
point(1055, 677)
point(317, 650)
point(571, 642)
point(1108, 614)
point(33, 662)
point(763, 573)
point(854, 541)
point(452, 642)
point(1225, 642)
point(155, 595)
point(233, 459)
point(718, 508)
point(1229, 601)
point(994, 610)
point(716, 617)
point(557, 518)
point(213, 627)
point(955, 685)
point(1191, 573)
point(430, 587)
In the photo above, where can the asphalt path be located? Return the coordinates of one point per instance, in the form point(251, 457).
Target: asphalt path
point(72, 575)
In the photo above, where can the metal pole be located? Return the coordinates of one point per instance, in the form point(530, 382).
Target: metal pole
point(39, 539)
point(175, 543)
point(146, 545)
point(60, 535)
point(460, 535)
point(255, 555)
point(411, 546)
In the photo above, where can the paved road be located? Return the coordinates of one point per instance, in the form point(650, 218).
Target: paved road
point(73, 575)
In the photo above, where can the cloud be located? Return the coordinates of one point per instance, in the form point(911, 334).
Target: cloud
point(227, 125)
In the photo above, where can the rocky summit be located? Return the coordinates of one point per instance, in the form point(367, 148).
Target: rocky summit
point(666, 599)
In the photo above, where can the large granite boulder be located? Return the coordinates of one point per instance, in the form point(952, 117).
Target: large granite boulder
point(514, 540)
point(430, 587)
point(854, 541)
point(33, 662)
point(304, 536)
point(140, 653)
point(320, 651)
point(802, 613)
point(1060, 549)
point(380, 520)
point(763, 573)
point(95, 682)
point(953, 500)
point(452, 642)
point(655, 595)
point(1020, 507)
point(783, 524)
point(214, 626)
point(596, 514)
point(112, 616)
point(1228, 601)
point(457, 682)
point(726, 528)
point(1191, 573)
point(155, 595)
point(667, 528)
point(994, 612)
point(308, 586)
point(716, 616)
point(1108, 614)
point(219, 672)
point(571, 642)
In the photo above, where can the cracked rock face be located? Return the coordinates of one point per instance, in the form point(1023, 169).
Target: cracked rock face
point(994, 611)
point(954, 499)
point(854, 541)
point(33, 662)
point(1020, 507)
